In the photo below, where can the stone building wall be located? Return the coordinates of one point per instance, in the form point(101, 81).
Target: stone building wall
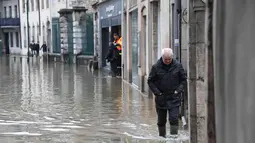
point(79, 29)
point(65, 20)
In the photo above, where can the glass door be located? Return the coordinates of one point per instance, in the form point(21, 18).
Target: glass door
point(135, 47)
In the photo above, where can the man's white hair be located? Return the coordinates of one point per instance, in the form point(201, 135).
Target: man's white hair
point(167, 52)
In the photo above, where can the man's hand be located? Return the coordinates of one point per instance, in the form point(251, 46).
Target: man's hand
point(159, 94)
point(175, 92)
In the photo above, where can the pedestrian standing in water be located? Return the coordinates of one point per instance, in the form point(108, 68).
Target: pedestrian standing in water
point(166, 80)
point(37, 48)
point(118, 43)
point(112, 57)
point(44, 47)
point(32, 48)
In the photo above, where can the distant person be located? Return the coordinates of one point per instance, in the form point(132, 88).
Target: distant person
point(112, 57)
point(32, 48)
point(166, 80)
point(118, 43)
point(37, 48)
point(44, 47)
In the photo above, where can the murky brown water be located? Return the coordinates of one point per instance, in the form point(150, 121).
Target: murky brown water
point(53, 102)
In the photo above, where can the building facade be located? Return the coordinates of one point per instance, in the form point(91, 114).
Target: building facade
point(39, 16)
point(147, 27)
point(107, 21)
point(9, 27)
point(44, 21)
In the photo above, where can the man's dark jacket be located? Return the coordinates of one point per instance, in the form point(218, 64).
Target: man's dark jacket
point(165, 80)
point(113, 54)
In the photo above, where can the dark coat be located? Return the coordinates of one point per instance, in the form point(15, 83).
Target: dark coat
point(113, 54)
point(32, 46)
point(165, 80)
point(37, 47)
point(44, 47)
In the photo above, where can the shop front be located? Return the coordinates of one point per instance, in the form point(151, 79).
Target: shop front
point(110, 23)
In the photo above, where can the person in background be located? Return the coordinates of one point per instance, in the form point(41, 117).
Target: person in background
point(112, 57)
point(44, 47)
point(118, 43)
point(32, 47)
point(166, 80)
point(37, 48)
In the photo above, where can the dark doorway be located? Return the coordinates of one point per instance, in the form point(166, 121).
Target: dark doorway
point(6, 43)
point(115, 29)
point(105, 44)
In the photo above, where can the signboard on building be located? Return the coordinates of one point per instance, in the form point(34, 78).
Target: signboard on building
point(74, 3)
point(110, 8)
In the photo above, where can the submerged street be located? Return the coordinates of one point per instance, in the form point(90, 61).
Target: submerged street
point(52, 102)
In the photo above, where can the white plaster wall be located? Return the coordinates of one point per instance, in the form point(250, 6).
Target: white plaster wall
point(33, 20)
point(46, 15)
point(57, 5)
point(142, 51)
point(159, 35)
point(165, 24)
point(185, 42)
point(7, 3)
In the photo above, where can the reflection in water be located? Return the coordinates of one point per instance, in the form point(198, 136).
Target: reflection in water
point(53, 102)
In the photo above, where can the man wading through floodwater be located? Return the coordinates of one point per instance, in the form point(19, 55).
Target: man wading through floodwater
point(166, 80)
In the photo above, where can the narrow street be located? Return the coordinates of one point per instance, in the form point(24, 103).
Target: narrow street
point(53, 102)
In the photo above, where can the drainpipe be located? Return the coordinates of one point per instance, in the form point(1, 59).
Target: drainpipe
point(39, 16)
point(28, 35)
point(175, 29)
point(19, 26)
point(179, 12)
point(172, 26)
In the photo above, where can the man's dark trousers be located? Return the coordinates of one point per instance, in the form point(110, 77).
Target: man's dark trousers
point(173, 114)
point(119, 66)
point(114, 68)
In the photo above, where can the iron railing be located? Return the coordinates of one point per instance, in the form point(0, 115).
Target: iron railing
point(9, 21)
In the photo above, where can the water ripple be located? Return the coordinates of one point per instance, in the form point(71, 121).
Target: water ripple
point(53, 102)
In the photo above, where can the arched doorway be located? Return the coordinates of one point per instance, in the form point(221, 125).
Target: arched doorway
point(143, 47)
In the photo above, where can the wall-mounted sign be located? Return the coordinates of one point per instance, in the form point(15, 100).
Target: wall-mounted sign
point(76, 3)
point(110, 8)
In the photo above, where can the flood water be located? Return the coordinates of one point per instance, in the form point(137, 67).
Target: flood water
point(55, 103)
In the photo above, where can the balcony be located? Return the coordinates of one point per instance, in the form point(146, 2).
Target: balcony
point(9, 22)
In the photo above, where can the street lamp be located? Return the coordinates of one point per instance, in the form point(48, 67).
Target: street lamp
point(28, 35)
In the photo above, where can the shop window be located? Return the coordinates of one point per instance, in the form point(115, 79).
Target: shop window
point(17, 39)
point(11, 39)
point(16, 11)
point(32, 5)
point(42, 5)
point(10, 11)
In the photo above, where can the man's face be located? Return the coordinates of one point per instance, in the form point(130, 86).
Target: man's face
point(167, 60)
point(116, 37)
